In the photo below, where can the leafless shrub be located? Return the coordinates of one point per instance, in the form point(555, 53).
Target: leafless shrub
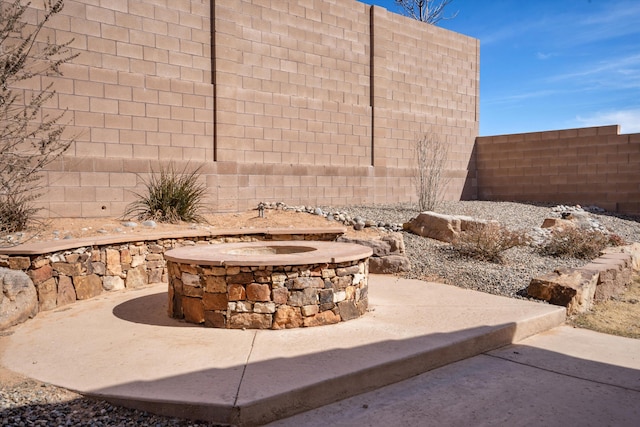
point(30, 139)
point(487, 242)
point(431, 153)
point(575, 242)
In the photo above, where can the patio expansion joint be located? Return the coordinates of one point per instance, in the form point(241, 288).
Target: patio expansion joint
point(559, 372)
point(244, 368)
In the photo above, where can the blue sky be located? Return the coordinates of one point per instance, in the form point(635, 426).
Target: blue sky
point(552, 64)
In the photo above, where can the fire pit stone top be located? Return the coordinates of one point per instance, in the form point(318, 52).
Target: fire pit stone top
point(269, 253)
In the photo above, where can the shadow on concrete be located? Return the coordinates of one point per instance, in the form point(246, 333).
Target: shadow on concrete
point(281, 387)
point(149, 310)
point(485, 390)
point(489, 390)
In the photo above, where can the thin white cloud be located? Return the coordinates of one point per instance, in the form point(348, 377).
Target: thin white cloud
point(522, 96)
point(629, 120)
point(621, 73)
point(570, 30)
point(612, 20)
point(542, 56)
point(614, 13)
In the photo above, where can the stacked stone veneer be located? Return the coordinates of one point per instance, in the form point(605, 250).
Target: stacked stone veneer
point(587, 166)
point(305, 101)
point(78, 273)
point(268, 297)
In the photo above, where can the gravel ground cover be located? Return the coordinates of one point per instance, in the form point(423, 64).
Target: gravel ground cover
point(435, 261)
point(25, 402)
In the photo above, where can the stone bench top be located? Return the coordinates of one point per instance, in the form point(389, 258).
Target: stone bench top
point(39, 248)
point(269, 253)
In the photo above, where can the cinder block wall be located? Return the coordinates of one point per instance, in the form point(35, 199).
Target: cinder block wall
point(140, 93)
point(587, 166)
point(301, 101)
point(424, 80)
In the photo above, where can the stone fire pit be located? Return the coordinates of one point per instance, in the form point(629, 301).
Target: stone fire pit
point(268, 285)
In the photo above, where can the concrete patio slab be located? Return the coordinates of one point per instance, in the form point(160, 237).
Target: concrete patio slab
point(563, 377)
point(124, 348)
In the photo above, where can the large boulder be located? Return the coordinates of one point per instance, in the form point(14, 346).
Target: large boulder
point(18, 298)
point(445, 228)
point(389, 255)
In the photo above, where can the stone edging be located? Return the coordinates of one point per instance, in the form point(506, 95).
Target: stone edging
point(601, 279)
point(78, 269)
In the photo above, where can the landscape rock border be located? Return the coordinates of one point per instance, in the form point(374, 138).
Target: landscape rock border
point(578, 289)
point(65, 276)
point(357, 222)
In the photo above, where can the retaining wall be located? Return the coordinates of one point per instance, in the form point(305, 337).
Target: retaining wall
point(79, 269)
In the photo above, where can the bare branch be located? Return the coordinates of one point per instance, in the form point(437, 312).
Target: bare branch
point(432, 153)
point(429, 11)
point(29, 139)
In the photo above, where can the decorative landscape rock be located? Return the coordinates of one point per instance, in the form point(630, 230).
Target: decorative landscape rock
point(633, 250)
point(389, 256)
point(445, 228)
point(559, 223)
point(577, 289)
point(357, 222)
point(568, 287)
point(390, 264)
point(614, 275)
point(18, 298)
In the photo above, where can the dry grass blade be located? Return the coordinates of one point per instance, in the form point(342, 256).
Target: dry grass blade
point(620, 316)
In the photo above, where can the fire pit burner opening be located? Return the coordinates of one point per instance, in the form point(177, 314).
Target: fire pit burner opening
point(269, 250)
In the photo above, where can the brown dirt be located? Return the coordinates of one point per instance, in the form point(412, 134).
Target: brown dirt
point(619, 316)
point(51, 228)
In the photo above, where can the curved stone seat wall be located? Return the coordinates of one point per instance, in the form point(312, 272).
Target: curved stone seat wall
point(68, 270)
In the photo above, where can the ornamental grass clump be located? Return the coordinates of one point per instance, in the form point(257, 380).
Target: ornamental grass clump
point(576, 242)
point(487, 242)
point(15, 213)
point(172, 196)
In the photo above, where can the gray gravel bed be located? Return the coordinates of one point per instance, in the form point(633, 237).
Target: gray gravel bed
point(435, 260)
point(30, 403)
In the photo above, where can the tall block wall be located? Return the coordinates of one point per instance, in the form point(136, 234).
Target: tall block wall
point(424, 80)
point(301, 101)
point(586, 166)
